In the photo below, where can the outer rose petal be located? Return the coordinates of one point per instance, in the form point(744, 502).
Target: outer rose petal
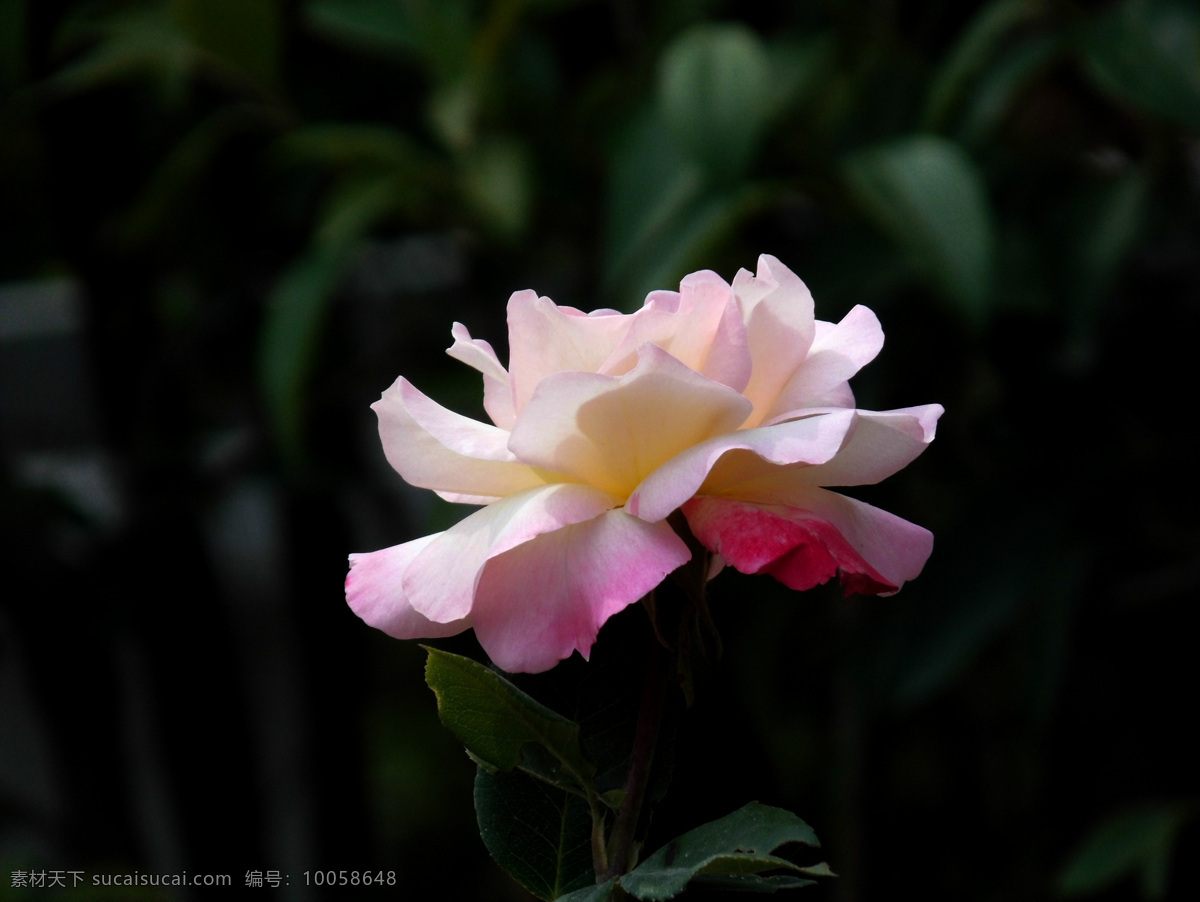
point(374, 591)
point(871, 551)
point(738, 457)
point(896, 548)
point(611, 431)
point(497, 389)
point(441, 579)
point(876, 445)
point(837, 353)
point(883, 442)
point(778, 311)
point(548, 597)
point(434, 448)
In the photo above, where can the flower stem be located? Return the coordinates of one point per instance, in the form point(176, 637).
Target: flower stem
point(622, 845)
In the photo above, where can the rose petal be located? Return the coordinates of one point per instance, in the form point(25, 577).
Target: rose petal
point(778, 312)
point(739, 457)
point(882, 443)
point(460, 498)
point(610, 432)
point(837, 353)
point(375, 592)
point(497, 390)
point(877, 444)
point(895, 548)
point(440, 581)
point(547, 598)
point(701, 327)
point(871, 551)
point(544, 339)
point(838, 396)
point(434, 448)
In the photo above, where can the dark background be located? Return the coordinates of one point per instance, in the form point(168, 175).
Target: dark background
point(227, 225)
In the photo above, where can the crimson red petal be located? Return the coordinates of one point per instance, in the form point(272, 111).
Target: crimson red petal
point(797, 547)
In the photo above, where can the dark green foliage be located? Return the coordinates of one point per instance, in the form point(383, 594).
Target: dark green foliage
point(537, 832)
point(733, 853)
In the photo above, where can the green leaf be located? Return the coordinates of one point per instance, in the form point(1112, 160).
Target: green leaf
point(652, 184)
point(999, 88)
point(970, 56)
point(496, 721)
point(715, 94)
point(540, 834)
point(138, 42)
point(600, 893)
point(296, 311)
point(246, 34)
point(299, 304)
point(664, 213)
point(927, 195)
point(798, 69)
point(357, 203)
point(496, 179)
point(741, 864)
point(372, 24)
point(454, 112)
point(701, 227)
point(753, 884)
point(1148, 54)
point(435, 33)
point(1140, 840)
point(733, 851)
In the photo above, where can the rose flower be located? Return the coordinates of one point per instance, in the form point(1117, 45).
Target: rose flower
point(728, 403)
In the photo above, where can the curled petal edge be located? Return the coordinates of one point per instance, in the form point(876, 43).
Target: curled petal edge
point(497, 388)
point(434, 448)
point(374, 592)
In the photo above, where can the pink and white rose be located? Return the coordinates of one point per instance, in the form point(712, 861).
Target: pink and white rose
point(729, 403)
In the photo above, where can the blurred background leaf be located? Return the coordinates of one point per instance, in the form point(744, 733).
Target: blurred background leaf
point(246, 34)
point(715, 80)
point(970, 57)
point(928, 196)
point(1137, 843)
point(1148, 53)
